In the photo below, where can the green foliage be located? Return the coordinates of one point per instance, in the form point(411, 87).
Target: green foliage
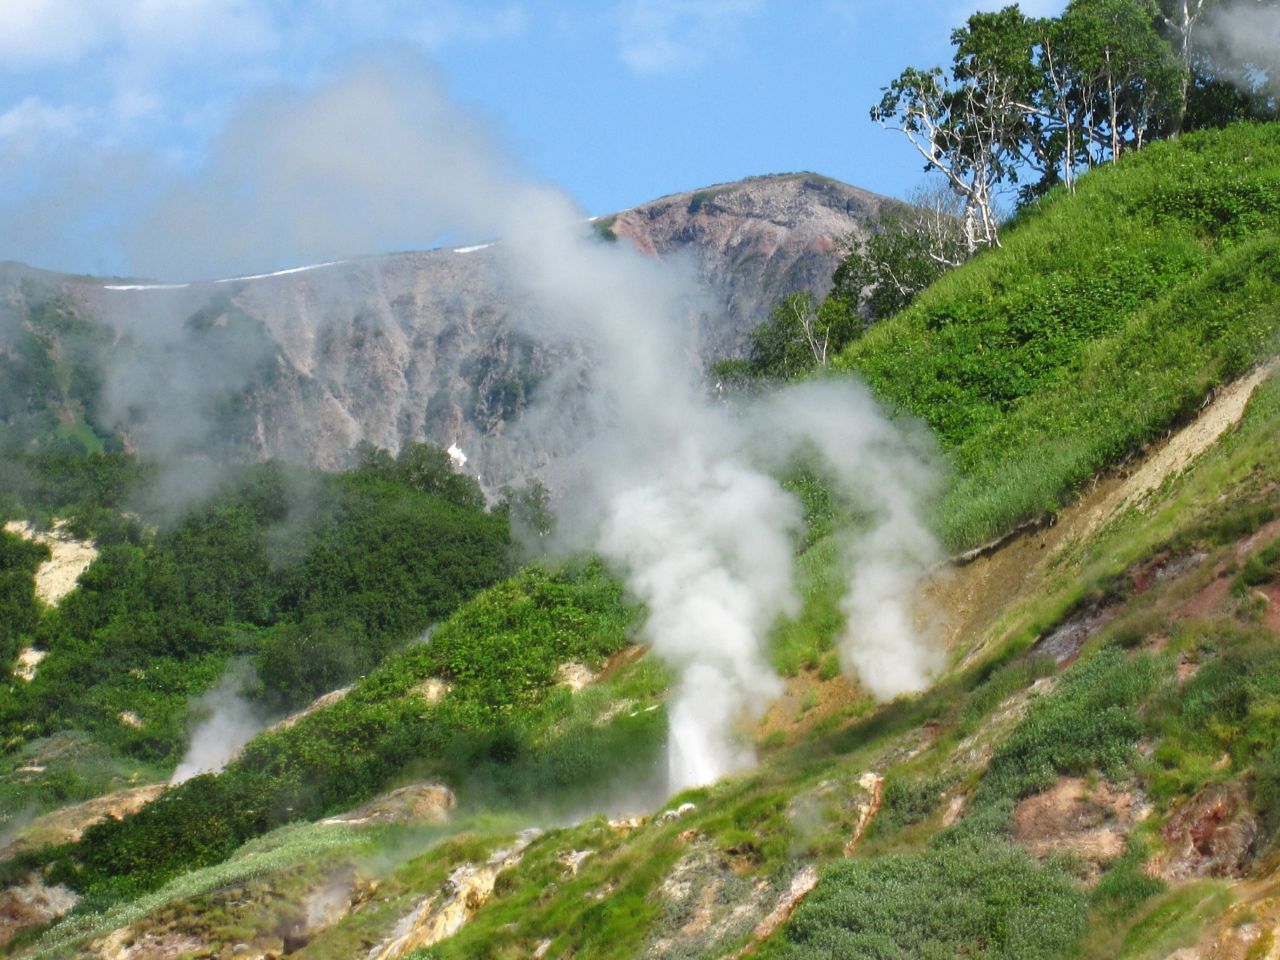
point(803, 643)
point(49, 385)
point(1126, 886)
point(1104, 319)
point(508, 642)
point(1261, 567)
point(423, 467)
point(1231, 706)
point(701, 198)
point(318, 576)
point(1089, 722)
point(488, 737)
point(529, 507)
point(1003, 682)
point(19, 611)
point(603, 228)
point(799, 336)
point(906, 801)
point(297, 662)
point(981, 900)
point(907, 248)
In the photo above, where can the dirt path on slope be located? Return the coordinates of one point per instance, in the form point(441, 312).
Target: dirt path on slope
point(971, 595)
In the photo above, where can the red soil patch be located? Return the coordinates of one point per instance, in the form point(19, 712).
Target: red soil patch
point(1209, 601)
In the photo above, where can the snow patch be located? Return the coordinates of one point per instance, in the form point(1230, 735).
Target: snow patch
point(457, 456)
point(251, 276)
point(482, 246)
point(146, 286)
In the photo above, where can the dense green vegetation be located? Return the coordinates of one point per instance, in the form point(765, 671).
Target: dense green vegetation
point(981, 900)
point(19, 612)
point(494, 735)
point(50, 390)
point(1090, 723)
point(316, 578)
point(1108, 315)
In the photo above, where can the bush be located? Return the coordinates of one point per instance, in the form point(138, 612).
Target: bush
point(1090, 722)
point(985, 900)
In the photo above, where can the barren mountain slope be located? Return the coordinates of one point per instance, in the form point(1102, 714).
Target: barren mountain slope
point(422, 345)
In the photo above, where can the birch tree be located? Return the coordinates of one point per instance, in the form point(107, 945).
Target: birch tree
point(969, 123)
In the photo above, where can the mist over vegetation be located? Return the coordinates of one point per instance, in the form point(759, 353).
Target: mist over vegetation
point(726, 668)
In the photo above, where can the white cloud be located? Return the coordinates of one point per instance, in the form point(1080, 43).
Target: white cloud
point(38, 32)
point(662, 36)
point(443, 23)
point(51, 33)
point(33, 119)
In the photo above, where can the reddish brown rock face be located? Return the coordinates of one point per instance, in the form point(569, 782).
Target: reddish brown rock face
point(1211, 835)
point(428, 346)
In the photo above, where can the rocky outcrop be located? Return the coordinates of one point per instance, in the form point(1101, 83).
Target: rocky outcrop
point(443, 914)
point(421, 346)
point(68, 824)
point(1210, 835)
point(31, 904)
point(417, 803)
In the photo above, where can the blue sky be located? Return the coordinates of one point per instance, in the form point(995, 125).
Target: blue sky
point(616, 102)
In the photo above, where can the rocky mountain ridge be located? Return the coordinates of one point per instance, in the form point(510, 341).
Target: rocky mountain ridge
point(304, 363)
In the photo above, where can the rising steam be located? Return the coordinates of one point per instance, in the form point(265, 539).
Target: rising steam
point(1243, 41)
point(228, 721)
point(679, 495)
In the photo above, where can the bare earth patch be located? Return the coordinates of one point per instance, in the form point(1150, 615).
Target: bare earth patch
point(31, 904)
point(1222, 413)
point(575, 675)
point(69, 558)
point(443, 914)
point(416, 803)
point(1091, 822)
point(319, 703)
point(68, 824)
point(28, 664)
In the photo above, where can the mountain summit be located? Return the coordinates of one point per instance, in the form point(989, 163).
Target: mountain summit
point(425, 345)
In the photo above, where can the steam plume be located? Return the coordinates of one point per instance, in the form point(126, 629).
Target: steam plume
point(229, 723)
point(1243, 40)
point(679, 495)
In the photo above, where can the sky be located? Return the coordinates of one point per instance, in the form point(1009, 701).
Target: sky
point(105, 104)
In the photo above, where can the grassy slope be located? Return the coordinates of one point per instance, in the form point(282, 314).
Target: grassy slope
point(1097, 392)
point(1107, 317)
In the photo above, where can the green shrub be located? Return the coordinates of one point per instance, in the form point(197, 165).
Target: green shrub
point(500, 654)
point(1090, 722)
point(1126, 886)
point(1261, 567)
point(987, 900)
point(19, 612)
point(317, 577)
point(906, 801)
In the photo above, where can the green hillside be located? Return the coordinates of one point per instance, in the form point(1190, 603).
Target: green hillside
point(1095, 774)
point(1106, 318)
